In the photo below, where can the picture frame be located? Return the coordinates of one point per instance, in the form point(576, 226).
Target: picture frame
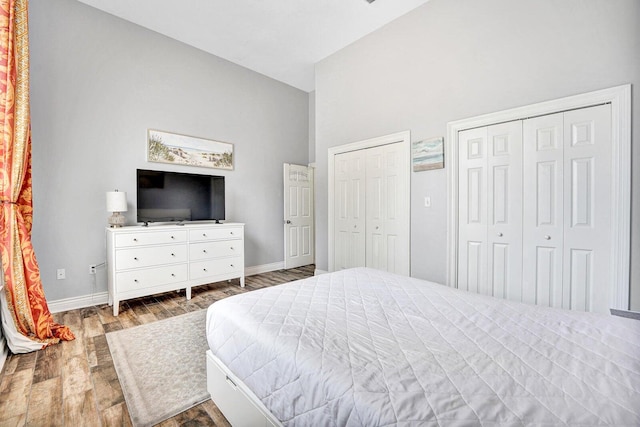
point(178, 149)
point(427, 154)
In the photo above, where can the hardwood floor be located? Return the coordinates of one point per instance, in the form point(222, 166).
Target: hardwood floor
point(75, 383)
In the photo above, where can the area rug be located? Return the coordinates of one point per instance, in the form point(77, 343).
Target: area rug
point(161, 366)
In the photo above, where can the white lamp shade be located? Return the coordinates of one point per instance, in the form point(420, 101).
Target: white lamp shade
point(116, 201)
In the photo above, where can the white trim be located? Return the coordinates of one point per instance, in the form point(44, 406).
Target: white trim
point(404, 138)
point(73, 303)
point(620, 99)
point(100, 298)
point(317, 272)
point(264, 268)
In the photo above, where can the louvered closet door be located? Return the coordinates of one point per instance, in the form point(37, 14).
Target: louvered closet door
point(349, 211)
point(490, 224)
point(387, 241)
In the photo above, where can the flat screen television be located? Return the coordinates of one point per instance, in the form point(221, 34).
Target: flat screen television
point(177, 197)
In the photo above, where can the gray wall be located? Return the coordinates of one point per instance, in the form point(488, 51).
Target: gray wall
point(97, 84)
point(449, 60)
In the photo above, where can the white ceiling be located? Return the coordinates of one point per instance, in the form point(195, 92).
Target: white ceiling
point(282, 39)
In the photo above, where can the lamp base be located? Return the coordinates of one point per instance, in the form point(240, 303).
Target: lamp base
point(116, 220)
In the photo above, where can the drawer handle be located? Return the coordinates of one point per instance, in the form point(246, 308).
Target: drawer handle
point(204, 251)
point(204, 234)
point(135, 240)
point(231, 383)
point(172, 237)
point(173, 275)
point(135, 280)
point(231, 247)
point(231, 265)
point(135, 258)
point(204, 269)
point(231, 233)
point(173, 254)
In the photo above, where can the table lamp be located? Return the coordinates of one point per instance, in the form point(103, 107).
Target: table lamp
point(116, 203)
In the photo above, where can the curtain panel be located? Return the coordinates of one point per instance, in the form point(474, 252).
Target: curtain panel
point(26, 320)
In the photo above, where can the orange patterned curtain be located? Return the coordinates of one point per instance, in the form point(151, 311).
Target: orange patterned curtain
point(24, 297)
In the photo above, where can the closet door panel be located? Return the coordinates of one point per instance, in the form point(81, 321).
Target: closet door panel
point(387, 218)
point(543, 210)
point(376, 199)
point(349, 202)
point(587, 204)
point(472, 232)
point(504, 210)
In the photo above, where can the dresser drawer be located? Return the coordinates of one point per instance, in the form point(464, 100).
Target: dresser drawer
point(148, 278)
point(199, 235)
point(150, 256)
point(215, 249)
point(214, 267)
point(150, 238)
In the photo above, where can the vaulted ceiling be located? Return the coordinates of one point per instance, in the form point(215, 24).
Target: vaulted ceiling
point(282, 39)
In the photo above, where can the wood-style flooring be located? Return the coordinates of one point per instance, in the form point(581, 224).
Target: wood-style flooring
point(75, 383)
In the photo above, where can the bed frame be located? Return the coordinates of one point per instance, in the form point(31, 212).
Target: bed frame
point(234, 399)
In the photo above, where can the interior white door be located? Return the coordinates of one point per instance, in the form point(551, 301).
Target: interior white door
point(543, 219)
point(588, 209)
point(349, 210)
point(472, 232)
point(490, 227)
point(298, 216)
point(387, 222)
point(504, 210)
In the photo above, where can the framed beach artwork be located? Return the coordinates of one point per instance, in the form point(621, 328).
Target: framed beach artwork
point(428, 154)
point(165, 147)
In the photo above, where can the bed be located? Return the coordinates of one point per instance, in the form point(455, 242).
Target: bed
point(362, 347)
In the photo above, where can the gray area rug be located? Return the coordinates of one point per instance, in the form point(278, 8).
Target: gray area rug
point(161, 366)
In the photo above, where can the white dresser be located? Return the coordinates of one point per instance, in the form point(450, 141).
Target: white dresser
point(143, 261)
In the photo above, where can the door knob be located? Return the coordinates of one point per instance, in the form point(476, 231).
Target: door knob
point(547, 237)
point(288, 221)
point(499, 234)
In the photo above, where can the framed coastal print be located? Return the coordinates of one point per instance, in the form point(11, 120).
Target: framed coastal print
point(428, 154)
point(166, 147)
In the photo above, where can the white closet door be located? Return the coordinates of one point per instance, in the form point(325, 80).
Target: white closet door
point(387, 222)
point(490, 237)
point(504, 210)
point(587, 207)
point(349, 210)
point(472, 234)
point(543, 219)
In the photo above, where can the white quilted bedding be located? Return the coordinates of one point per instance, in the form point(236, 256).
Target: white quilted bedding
point(363, 347)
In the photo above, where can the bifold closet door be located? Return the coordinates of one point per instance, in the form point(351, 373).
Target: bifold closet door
point(349, 209)
point(490, 217)
point(371, 219)
point(567, 209)
point(387, 223)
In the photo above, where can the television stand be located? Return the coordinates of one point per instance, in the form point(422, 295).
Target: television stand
point(143, 260)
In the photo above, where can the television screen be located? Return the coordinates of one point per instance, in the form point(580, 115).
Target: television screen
point(174, 196)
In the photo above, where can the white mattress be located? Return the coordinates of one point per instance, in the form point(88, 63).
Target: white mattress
point(363, 347)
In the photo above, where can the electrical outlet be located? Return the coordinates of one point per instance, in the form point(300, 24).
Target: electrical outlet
point(61, 274)
point(92, 269)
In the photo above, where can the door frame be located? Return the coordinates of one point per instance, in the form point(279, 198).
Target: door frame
point(620, 99)
point(404, 138)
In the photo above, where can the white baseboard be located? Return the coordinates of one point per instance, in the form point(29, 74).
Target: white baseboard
point(78, 302)
point(317, 272)
point(264, 268)
point(103, 297)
